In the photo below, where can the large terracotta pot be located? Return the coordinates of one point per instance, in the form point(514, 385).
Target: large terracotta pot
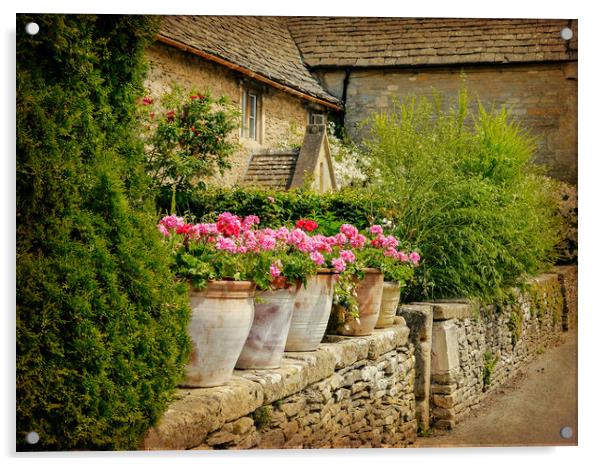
point(389, 304)
point(369, 296)
point(264, 347)
point(221, 319)
point(311, 312)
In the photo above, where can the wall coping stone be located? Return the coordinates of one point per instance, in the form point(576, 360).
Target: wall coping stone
point(449, 310)
point(196, 412)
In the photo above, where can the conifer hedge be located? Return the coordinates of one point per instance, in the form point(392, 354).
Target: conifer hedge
point(101, 325)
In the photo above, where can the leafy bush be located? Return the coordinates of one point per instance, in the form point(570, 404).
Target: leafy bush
point(187, 138)
point(277, 208)
point(101, 326)
point(464, 189)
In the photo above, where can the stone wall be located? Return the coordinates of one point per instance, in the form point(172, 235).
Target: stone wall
point(284, 116)
point(476, 348)
point(568, 277)
point(351, 392)
point(430, 369)
point(543, 96)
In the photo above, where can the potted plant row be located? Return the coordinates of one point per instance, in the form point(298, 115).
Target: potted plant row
point(256, 292)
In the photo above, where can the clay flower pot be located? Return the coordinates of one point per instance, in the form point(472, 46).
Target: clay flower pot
point(369, 296)
point(221, 318)
point(264, 347)
point(388, 306)
point(311, 312)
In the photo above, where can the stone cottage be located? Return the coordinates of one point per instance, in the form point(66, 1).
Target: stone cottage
point(255, 62)
point(287, 72)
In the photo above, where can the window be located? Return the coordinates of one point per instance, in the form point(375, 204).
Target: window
point(250, 110)
point(317, 118)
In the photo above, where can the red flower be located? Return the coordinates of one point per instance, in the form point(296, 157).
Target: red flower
point(171, 115)
point(147, 101)
point(307, 224)
point(194, 97)
point(184, 229)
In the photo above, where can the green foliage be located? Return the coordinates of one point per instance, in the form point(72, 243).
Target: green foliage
point(489, 363)
point(262, 416)
point(187, 138)
point(461, 186)
point(100, 324)
point(276, 208)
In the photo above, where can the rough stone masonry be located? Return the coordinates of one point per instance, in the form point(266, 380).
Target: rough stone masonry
point(351, 392)
point(430, 369)
point(476, 347)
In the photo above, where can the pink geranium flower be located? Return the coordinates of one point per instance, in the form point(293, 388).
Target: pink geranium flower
point(348, 256)
point(348, 230)
point(228, 224)
point(376, 230)
point(317, 258)
point(163, 229)
point(274, 271)
point(414, 257)
point(226, 244)
point(172, 222)
point(358, 241)
point(338, 264)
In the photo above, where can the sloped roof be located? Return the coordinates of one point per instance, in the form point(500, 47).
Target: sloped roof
point(359, 42)
point(274, 169)
point(262, 45)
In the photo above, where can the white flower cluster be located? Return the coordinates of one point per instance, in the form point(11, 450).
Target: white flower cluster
point(350, 168)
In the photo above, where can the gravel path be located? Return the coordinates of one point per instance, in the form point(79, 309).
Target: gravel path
point(529, 410)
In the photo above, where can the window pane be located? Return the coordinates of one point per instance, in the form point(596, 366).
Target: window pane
point(244, 114)
point(252, 115)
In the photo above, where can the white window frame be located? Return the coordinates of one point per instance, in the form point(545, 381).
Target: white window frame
point(251, 114)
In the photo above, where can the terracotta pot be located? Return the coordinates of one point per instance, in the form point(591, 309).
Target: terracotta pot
point(369, 296)
point(311, 312)
point(389, 304)
point(264, 347)
point(221, 319)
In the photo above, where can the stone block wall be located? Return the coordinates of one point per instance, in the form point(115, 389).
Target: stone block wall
point(476, 348)
point(567, 274)
point(430, 369)
point(543, 96)
point(284, 116)
point(351, 392)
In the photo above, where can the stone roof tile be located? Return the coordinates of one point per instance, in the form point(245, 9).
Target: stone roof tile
point(262, 45)
point(361, 41)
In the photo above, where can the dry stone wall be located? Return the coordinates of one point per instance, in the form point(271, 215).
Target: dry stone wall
point(351, 392)
point(430, 369)
point(476, 348)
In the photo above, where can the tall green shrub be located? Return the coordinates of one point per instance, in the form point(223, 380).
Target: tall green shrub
point(465, 192)
point(101, 338)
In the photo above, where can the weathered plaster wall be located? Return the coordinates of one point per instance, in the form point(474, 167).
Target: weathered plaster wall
point(351, 392)
point(543, 96)
point(284, 116)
